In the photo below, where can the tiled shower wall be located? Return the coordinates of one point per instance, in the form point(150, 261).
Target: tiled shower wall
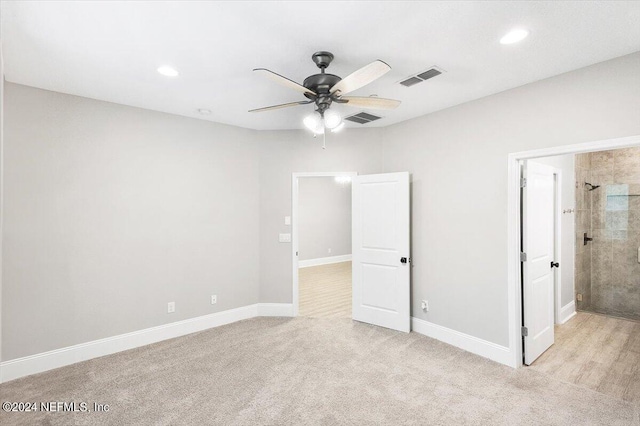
point(583, 224)
point(611, 216)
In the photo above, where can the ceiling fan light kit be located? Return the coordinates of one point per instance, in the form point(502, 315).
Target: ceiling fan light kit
point(323, 89)
point(332, 119)
point(338, 127)
point(314, 123)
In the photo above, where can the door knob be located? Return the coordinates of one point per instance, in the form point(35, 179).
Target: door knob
point(555, 264)
point(403, 260)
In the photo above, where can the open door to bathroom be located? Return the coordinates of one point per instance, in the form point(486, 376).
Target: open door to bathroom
point(538, 263)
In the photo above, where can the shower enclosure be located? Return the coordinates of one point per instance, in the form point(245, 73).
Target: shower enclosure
point(608, 232)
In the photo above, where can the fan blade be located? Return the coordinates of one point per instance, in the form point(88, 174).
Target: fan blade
point(284, 81)
point(376, 103)
point(362, 77)
point(290, 104)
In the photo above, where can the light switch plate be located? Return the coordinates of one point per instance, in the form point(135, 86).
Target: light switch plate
point(287, 220)
point(284, 238)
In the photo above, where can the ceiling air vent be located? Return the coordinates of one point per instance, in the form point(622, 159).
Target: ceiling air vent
point(411, 81)
point(419, 78)
point(362, 118)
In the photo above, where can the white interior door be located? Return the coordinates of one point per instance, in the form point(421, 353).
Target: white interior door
point(381, 258)
point(538, 273)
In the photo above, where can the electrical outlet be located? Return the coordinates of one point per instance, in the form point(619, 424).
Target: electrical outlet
point(171, 307)
point(579, 297)
point(214, 299)
point(329, 251)
point(425, 305)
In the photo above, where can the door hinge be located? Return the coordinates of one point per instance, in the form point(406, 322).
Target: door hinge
point(525, 331)
point(523, 257)
point(523, 182)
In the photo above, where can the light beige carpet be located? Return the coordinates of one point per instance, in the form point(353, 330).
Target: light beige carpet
point(325, 291)
point(310, 371)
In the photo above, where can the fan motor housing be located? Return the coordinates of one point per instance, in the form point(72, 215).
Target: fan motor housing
point(320, 84)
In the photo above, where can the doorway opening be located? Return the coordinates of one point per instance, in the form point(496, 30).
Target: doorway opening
point(608, 213)
point(514, 231)
point(321, 249)
point(595, 284)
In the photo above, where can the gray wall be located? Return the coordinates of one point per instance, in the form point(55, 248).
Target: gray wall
point(285, 152)
point(458, 161)
point(111, 212)
point(324, 208)
point(567, 256)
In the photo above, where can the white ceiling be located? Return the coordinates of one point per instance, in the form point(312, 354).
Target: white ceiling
point(111, 50)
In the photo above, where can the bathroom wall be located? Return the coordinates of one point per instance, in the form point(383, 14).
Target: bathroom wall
point(582, 225)
point(615, 225)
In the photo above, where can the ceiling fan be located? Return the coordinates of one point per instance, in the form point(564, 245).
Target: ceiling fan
point(323, 89)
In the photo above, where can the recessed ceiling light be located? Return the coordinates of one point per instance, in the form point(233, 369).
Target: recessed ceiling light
point(514, 36)
point(204, 111)
point(168, 71)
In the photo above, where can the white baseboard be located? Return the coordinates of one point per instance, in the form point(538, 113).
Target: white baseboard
point(275, 309)
point(472, 344)
point(567, 312)
point(324, 261)
point(20, 367)
point(38, 363)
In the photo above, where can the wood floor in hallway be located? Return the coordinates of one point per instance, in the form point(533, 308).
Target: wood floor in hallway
point(325, 291)
point(597, 352)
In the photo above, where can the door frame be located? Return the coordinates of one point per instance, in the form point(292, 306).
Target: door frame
point(557, 246)
point(294, 227)
point(514, 163)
